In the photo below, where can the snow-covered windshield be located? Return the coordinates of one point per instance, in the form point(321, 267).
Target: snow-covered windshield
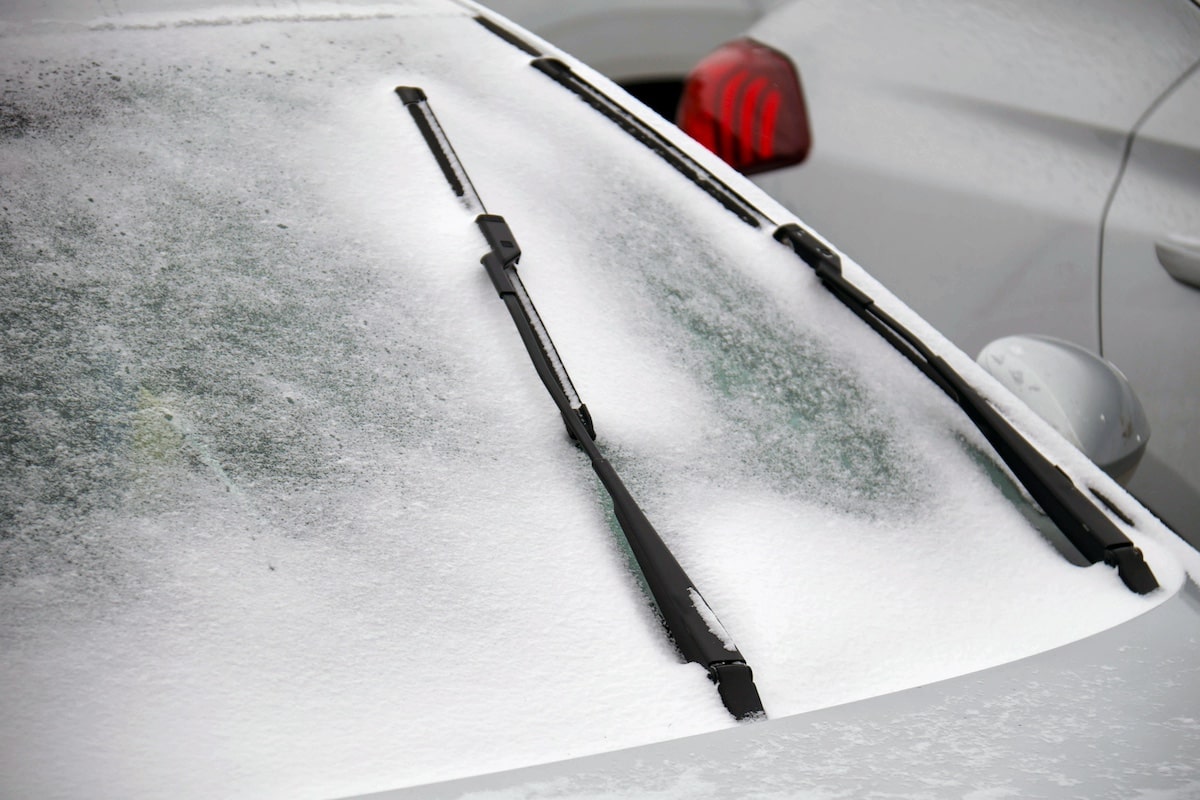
point(284, 510)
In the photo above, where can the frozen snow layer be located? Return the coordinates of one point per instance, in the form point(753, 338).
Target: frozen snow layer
point(286, 511)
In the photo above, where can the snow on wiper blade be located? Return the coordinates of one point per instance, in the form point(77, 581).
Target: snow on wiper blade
point(460, 182)
point(689, 620)
point(1088, 528)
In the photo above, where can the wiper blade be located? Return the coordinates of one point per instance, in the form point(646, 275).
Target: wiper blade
point(1087, 527)
point(689, 620)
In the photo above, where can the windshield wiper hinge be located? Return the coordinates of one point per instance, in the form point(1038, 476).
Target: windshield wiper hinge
point(735, 685)
point(504, 247)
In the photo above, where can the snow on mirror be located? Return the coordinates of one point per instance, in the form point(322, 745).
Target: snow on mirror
point(1083, 396)
point(282, 500)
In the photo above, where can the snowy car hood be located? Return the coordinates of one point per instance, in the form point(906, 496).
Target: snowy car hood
point(1115, 715)
point(286, 511)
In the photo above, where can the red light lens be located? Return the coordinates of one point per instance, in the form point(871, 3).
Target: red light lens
point(744, 102)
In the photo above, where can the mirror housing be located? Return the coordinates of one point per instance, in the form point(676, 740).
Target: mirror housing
point(1081, 395)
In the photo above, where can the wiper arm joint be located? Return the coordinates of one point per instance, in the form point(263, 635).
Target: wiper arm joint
point(504, 251)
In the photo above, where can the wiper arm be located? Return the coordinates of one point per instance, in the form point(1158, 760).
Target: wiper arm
point(690, 622)
point(1080, 519)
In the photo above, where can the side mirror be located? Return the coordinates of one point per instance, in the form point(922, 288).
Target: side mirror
point(1081, 395)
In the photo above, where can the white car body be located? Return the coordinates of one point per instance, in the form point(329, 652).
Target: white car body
point(1015, 167)
point(287, 512)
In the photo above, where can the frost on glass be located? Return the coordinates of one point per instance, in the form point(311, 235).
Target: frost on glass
point(804, 420)
point(175, 321)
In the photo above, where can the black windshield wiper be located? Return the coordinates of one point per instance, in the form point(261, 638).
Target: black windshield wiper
point(688, 619)
point(1087, 527)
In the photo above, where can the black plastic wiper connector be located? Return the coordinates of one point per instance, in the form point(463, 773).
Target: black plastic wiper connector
point(504, 251)
point(735, 685)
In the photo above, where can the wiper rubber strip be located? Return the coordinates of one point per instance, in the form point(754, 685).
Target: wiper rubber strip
point(690, 622)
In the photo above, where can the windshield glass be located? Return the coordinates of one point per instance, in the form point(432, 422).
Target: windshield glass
point(284, 509)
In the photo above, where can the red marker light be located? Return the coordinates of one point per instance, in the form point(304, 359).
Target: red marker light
point(744, 102)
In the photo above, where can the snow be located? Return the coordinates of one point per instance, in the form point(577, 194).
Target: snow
point(710, 619)
point(286, 509)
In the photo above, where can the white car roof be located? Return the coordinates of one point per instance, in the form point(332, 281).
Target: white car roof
point(287, 511)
